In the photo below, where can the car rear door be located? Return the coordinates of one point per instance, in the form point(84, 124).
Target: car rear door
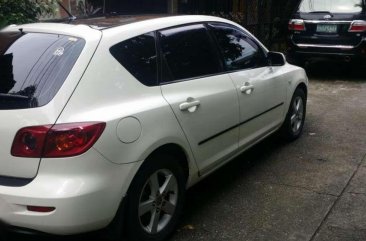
point(261, 90)
point(203, 98)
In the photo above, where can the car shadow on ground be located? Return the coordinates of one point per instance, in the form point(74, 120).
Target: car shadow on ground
point(336, 70)
point(6, 236)
point(225, 178)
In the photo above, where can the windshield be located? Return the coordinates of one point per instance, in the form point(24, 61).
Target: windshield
point(34, 66)
point(332, 6)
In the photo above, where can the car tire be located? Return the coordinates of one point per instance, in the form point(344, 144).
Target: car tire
point(294, 123)
point(155, 199)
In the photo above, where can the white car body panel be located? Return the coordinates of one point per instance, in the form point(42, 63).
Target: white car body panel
point(88, 189)
point(262, 108)
point(212, 116)
point(13, 120)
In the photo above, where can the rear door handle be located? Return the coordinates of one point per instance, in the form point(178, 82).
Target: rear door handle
point(191, 105)
point(247, 89)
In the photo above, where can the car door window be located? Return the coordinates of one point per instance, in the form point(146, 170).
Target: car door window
point(138, 55)
point(187, 52)
point(238, 50)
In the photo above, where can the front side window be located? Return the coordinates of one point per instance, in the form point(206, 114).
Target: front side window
point(138, 55)
point(239, 52)
point(333, 6)
point(187, 53)
point(34, 66)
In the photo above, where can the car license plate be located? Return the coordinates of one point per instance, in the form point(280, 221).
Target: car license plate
point(326, 28)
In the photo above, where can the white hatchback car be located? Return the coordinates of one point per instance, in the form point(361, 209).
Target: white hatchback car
point(106, 122)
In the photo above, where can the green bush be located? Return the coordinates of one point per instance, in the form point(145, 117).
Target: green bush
point(23, 11)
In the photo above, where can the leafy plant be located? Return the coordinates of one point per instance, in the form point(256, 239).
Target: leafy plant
point(24, 11)
point(91, 7)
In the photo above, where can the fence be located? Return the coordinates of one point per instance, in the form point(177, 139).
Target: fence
point(266, 19)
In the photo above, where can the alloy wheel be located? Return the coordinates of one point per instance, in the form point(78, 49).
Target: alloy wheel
point(297, 114)
point(158, 200)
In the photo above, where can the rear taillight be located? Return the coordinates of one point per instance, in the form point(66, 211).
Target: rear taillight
point(62, 140)
point(296, 25)
point(358, 26)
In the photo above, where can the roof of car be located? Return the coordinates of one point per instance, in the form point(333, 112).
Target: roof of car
point(122, 26)
point(115, 28)
point(115, 20)
point(78, 26)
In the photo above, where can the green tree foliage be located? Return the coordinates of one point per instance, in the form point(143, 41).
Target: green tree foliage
point(24, 11)
point(91, 7)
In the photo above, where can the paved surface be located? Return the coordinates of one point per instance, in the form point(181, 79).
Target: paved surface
point(313, 189)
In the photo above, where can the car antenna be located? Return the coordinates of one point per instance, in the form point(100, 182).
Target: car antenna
point(71, 17)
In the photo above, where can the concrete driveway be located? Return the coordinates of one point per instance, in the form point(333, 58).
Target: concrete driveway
point(313, 189)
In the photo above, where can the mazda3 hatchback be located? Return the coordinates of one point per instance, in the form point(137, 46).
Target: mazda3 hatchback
point(106, 122)
point(328, 28)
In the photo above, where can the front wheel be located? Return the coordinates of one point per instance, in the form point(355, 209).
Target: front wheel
point(155, 199)
point(295, 118)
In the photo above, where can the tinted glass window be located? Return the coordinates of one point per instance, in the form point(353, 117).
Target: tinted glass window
point(138, 56)
point(333, 6)
point(239, 52)
point(33, 67)
point(187, 53)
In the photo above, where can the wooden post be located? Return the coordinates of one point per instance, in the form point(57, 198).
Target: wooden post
point(172, 6)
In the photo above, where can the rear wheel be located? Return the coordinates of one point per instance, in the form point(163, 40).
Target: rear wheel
point(155, 199)
point(295, 118)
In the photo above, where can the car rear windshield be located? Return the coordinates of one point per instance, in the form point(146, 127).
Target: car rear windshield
point(33, 67)
point(332, 6)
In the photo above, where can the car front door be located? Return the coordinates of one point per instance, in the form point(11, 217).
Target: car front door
point(203, 98)
point(261, 90)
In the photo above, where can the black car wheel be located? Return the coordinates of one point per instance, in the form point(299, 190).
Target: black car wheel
point(155, 199)
point(295, 118)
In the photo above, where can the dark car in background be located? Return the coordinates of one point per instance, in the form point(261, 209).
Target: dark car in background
point(327, 28)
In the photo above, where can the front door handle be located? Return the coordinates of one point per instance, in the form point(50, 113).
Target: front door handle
point(191, 105)
point(247, 89)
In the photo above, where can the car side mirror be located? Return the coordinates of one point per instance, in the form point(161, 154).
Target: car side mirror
point(276, 59)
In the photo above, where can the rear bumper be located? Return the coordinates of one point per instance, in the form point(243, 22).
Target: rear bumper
point(86, 192)
point(309, 51)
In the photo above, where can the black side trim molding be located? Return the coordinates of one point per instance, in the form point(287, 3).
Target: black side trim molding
point(264, 112)
point(237, 125)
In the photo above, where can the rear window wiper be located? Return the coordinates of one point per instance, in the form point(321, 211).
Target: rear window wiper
point(13, 97)
point(16, 101)
point(325, 12)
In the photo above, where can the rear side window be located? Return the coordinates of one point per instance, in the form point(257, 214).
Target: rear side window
point(187, 53)
point(138, 55)
point(33, 67)
point(239, 51)
point(333, 6)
